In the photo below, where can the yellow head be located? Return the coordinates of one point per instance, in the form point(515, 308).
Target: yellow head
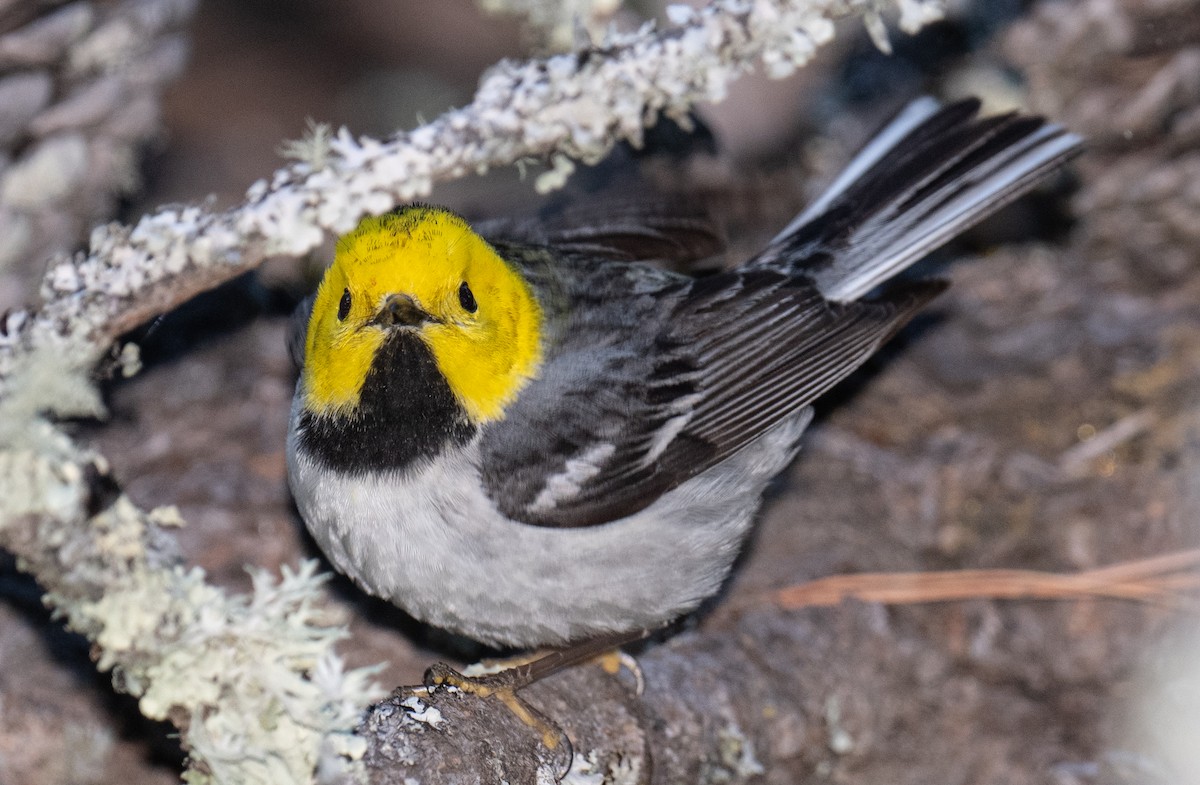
point(422, 269)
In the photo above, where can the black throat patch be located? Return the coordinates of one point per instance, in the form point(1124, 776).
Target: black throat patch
point(406, 414)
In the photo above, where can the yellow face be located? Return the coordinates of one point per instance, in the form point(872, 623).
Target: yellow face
point(422, 269)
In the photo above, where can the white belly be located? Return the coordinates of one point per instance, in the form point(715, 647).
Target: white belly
point(432, 543)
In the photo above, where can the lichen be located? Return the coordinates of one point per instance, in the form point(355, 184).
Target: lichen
point(52, 378)
point(590, 768)
point(253, 681)
point(736, 756)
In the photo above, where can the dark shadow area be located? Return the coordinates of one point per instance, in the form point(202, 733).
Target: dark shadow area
point(70, 654)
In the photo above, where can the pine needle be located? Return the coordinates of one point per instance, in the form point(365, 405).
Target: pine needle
point(1165, 579)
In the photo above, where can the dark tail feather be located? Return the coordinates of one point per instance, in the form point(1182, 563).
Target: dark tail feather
point(927, 176)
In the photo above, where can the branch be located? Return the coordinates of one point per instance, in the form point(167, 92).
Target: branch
point(712, 711)
point(252, 682)
point(702, 717)
point(574, 105)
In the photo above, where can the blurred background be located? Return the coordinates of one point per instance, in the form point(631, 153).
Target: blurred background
point(964, 445)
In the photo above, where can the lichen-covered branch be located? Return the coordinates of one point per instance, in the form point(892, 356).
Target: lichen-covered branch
point(574, 105)
point(253, 682)
point(716, 709)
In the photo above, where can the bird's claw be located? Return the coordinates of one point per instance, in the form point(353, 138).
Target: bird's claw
point(503, 686)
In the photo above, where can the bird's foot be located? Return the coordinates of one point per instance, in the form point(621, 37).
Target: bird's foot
point(502, 686)
point(504, 679)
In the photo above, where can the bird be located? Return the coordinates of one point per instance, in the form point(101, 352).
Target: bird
point(532, 436)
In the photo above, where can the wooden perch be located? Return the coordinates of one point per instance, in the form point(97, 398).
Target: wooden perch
point(700, 719)
point(714, 704)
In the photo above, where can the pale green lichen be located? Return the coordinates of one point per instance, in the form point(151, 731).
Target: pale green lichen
point(119, 530)
point(313, 148)
point(256, 675)
point(129, 360)
point(33, 482)
point(590, 768)
point(736, 756)
point(556, 177)
point(53, 378)
point(253, 681)
point(876, 28)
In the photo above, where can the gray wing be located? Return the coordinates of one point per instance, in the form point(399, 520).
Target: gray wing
point(651, 388)
point(651, 391)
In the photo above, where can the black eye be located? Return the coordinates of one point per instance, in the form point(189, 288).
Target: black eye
point(466, 299)
point(344, 306)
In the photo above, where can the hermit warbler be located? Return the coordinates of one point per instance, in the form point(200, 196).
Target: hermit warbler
point(540, 439)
